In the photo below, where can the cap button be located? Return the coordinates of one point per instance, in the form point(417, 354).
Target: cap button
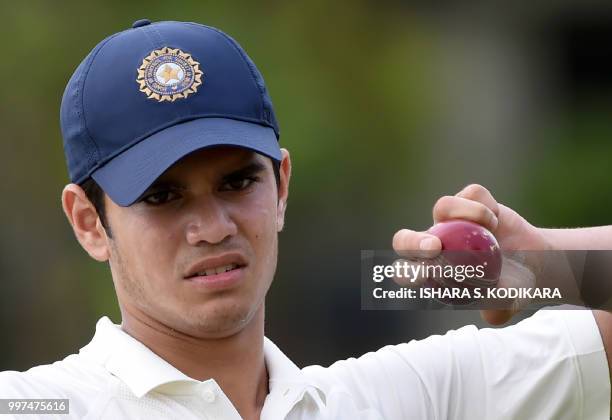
point(141, 22)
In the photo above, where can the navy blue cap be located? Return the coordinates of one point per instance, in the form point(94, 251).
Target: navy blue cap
point(148, 96)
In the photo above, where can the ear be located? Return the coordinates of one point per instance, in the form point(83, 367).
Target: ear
point(85, 222)
point(283, 189)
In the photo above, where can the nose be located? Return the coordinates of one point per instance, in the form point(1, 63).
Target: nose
point(209, 222)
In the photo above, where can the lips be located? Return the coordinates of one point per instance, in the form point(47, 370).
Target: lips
point(213, 266)
point(216, 270)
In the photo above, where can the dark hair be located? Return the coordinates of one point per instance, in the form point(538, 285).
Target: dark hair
point(95, 195)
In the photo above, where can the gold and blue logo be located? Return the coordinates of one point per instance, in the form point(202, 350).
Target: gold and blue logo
point(169, 74)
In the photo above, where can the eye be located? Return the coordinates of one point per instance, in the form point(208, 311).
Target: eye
point(160, 197)
point(238, 184)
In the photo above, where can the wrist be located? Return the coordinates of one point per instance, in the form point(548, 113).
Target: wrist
point(550, 238)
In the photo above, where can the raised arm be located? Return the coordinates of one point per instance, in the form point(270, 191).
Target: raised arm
point(551, 365)
point(513, 232)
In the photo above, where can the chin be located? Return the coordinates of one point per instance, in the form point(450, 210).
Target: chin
point(221, 321)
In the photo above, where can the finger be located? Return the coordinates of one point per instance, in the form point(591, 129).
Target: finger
point(476, 192)
point(409, 243)
point(452, 207)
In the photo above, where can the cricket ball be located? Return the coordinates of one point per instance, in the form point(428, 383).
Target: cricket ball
point(465, 244)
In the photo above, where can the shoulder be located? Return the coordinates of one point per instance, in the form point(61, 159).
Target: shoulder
point(73, 371)
point(84, 383)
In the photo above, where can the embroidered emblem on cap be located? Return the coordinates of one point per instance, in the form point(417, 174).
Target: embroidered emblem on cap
point(169, 74)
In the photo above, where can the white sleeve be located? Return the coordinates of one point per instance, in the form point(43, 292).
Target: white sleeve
point(549, 366)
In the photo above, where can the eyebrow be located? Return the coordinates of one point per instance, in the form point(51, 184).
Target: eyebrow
point(250, 169)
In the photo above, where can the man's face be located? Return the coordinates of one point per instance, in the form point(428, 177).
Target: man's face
point(215, 210)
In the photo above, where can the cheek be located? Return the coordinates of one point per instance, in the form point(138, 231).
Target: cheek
point(257, 222)
point(262, 237)
point(146, 248)
point(261, 218)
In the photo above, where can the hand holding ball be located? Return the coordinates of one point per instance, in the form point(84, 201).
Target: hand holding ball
point(466, 244)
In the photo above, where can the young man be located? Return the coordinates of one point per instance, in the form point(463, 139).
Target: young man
point(178, 181)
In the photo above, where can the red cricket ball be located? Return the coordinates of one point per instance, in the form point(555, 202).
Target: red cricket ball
point(466, 244)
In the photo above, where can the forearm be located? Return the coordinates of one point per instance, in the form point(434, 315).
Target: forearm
point(583, 277)
point(590, 272)
point(580, 238)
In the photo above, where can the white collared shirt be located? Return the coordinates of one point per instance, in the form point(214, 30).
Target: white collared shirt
point(550, 366)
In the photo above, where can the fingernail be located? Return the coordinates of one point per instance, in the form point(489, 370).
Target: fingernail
point(426, 244)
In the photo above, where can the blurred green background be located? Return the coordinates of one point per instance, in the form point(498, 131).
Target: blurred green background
point(385, 106)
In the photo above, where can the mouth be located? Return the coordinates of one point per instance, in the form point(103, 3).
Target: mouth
point(216, 270)
point(217, 273)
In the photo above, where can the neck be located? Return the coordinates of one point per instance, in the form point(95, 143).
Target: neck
point(235, 362)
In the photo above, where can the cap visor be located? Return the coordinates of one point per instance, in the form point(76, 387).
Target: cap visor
point(128, 175)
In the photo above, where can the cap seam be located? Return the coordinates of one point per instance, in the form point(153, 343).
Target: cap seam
point(86, 73)
point(107, 159)
point(232, 43)
point(157, 41)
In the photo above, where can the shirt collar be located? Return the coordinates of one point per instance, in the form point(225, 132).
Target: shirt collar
point(281, 370)
point(142, 371)
point(128, 359)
